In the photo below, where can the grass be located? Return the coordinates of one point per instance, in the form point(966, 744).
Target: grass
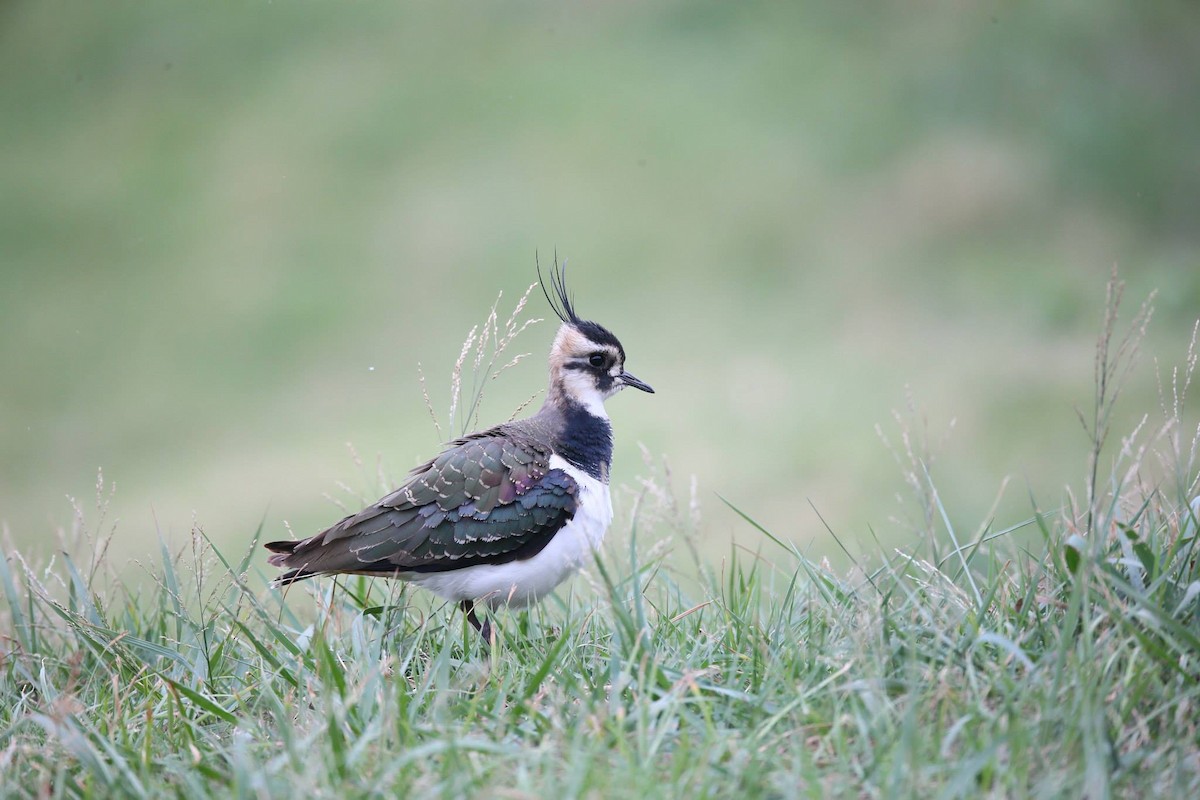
point(1051, 657)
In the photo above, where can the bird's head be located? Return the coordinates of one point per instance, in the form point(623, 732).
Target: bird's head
point(587, 362)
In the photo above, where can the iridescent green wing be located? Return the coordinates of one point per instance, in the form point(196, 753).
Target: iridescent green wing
point(488, 499)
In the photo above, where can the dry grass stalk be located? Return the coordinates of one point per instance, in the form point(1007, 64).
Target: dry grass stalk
point(489, 343)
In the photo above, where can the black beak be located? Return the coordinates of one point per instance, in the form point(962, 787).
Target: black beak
point(629, 380)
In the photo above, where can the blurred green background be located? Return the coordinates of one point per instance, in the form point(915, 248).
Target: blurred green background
point(229, 232)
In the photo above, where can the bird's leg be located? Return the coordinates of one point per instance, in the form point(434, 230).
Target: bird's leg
point(468, 607)
point(484, 628)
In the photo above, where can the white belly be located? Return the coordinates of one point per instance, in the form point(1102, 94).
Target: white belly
point(519, 583)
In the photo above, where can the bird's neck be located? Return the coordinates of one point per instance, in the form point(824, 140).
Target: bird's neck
point(581, 437)
point(575, 390)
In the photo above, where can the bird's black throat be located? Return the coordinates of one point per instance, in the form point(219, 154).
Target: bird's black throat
point(585, 441)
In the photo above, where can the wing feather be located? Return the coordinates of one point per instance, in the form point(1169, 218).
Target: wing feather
point(489, 498)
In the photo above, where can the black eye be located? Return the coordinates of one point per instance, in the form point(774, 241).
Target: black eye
point(596, 359)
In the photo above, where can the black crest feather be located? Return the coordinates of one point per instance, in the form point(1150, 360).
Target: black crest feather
point(561, 302)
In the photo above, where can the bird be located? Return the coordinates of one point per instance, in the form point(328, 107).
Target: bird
point(504, 515)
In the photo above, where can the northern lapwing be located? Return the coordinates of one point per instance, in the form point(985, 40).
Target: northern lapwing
point(503, 515)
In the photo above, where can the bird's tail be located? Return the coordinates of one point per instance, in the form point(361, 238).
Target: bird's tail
point(281, 553)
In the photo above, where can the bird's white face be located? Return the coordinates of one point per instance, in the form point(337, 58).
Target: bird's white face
point(589, 370)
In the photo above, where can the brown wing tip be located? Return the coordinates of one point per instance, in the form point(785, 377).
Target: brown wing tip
point(281, 552)
point(286, 548)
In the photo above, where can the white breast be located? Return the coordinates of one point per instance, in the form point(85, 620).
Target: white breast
point(519, 583)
